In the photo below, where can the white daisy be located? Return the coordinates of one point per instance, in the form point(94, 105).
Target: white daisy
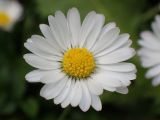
point(10, 13)
point(150, 51)
point(77, 61)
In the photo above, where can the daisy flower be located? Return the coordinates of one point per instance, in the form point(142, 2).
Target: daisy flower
point(10, 13)
point(150, 51)
point(76, 62)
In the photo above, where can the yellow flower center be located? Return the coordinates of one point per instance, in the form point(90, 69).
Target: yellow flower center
point(78, 63)
point(4, 19)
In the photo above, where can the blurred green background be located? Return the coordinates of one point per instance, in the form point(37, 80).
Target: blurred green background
point(20, 100)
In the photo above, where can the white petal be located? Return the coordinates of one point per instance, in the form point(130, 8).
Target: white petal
point(35, 75)
point(94, 34)
point(53, 76)
point(77, 94)
point(127, 82)
point(86, 97)
point(156, 29)
point(106, 28)
point(96, 102)
point(46, 31)
point(74, 23)
point(69, 97)
point(114, 79)
point(107, 80)
point(149, 58)
point(4, 5)
point(119, 43)
point(105, 41)
point(63, 93)
point(94, 87)
point(149, 62)
point(41, 53)
point(52, 90)
point(14, 10)
point(104, 84)
point(150, 38)
point(157, 18)
point(86, 28)
point(119, 67)
point(62, 26)
point(56, 32)
point(148, 53)
point(108, 88)
point(127, 44)
point(153, 72)
point(40, 63)
point(40, 47)
point(122, 90)
point(119, 55)
point(156, 81)
point(147, 45)
point(121, 75)
point(50, 38)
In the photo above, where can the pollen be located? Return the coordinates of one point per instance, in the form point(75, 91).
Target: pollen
point(78, 63)
point(4, 19)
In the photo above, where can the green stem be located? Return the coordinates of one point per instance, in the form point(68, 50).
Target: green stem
point(64, 113)
point(150, 13)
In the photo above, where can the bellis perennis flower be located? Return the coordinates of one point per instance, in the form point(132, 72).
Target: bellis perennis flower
point(76, 62)
point(10, 13)
point(150, 51)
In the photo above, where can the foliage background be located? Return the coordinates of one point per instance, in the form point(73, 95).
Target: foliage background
point(20, 100)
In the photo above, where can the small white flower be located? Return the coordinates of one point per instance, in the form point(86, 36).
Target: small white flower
point(76, 62)
point(10, 13)
point(150, 51)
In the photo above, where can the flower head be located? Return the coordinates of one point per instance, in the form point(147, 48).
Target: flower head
point(76, 62)
point(150, 51)
point(10, 12)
